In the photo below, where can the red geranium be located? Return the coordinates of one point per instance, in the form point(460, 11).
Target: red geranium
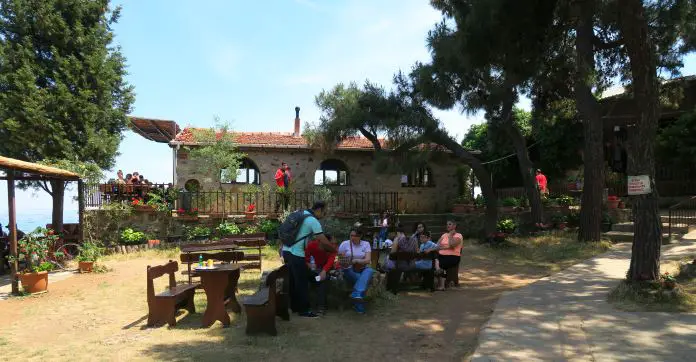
point(612, 198)
point(251, 207)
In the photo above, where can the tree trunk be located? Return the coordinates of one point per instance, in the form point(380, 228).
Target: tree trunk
point(588, 108)
point(527, 170)
point(484, 177)
point(645, 257)
point(58, 189)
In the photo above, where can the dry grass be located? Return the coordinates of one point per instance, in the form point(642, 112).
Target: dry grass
point(551, 252)
point(102, 317)
point(649, 297)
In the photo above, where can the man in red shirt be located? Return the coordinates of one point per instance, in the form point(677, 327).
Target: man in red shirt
point(323, 263)
point(280, 175)
point(541, 182)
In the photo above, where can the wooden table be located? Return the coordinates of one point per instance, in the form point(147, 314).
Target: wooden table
point(220, 285)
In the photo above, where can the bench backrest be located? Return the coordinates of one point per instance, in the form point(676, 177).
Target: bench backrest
point(226, 256)
point(278, 275)
point(154, 272)
point(222, 244)
point(249, 242)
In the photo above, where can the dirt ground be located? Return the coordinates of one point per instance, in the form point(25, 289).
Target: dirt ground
point(102, 317)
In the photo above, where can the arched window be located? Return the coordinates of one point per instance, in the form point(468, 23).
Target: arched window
point(192, 185)
point(332, 173)
point(422, 177)
point(247, 173)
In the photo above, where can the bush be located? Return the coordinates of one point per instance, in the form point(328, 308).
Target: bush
point(565, 200)
point(197, 232)
point(130, 236)
point(90, 251)
point(251, 229)
point(511, 202)
point(227, 228)
point(507, 226)
point(269, 226)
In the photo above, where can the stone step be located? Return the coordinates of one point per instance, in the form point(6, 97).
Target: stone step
point(627, 237)
point(679, 218)
point(628, 227)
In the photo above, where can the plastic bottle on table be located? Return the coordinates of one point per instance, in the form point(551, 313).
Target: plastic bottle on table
point(200, 260)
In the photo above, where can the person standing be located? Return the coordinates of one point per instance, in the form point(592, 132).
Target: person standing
point(280, 175)
point(282, 181)
point(320, 262)
point(450, 251)
point(294, 257)
point(542, 183)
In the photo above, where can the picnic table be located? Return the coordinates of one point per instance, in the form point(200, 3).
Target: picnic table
point(220, 284)
point(201, 248)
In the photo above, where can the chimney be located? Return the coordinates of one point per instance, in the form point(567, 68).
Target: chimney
point(296, 133)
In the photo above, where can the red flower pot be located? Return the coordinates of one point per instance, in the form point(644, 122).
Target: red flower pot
point(34, 282)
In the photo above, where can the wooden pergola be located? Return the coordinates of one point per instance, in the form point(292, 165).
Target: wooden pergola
point(16, 170)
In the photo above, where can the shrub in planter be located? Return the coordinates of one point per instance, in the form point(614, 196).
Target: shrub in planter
point(90, 252)
point(269, 227)
point(507, 226)
point(197, 233)
point(130, 236)
point(33, 253)
point(251, 229)
point(227, 228)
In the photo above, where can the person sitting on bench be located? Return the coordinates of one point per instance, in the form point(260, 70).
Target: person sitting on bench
point(320, 264)
point(426, 245)
point(355, 261)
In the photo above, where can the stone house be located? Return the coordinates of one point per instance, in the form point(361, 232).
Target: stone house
point(348, 169)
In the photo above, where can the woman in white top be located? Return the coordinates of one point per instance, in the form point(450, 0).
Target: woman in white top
point(355, 261)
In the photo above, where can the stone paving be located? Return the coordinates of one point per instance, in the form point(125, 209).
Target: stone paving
point(565, 317)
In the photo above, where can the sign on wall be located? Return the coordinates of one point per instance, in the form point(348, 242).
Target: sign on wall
point(639, 185)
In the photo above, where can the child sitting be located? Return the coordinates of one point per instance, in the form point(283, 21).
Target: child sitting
point(323, 263)
point(426, 245)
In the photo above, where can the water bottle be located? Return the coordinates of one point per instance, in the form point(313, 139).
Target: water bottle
point(200, 260)
point(312, 264)
point(375, 243)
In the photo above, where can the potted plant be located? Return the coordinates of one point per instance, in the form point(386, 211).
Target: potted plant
point(130, 236)
point(507, 226)
point(561, 221)
point(572, 183)
point(612, 202)
point(462, 204)
point(668, 281)
point(190, 214)
point(269, 227)
point(250, 211)
point(509, 204)
point(606, 222)
point(32, 256)
point(197, 233)
point(90, 252)
point(140, 205)
point(227, 228)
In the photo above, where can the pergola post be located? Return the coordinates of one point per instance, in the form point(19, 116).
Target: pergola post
point(81, 208)
point(13, 230)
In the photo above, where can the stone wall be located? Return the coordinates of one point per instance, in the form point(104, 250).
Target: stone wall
point(362, 175)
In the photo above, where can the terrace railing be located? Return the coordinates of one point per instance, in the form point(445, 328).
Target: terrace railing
point(223, 203)
point(99, 195)
point(682, 215)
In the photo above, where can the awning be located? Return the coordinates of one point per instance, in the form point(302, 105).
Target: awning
point(36, 169)
point(158, 130)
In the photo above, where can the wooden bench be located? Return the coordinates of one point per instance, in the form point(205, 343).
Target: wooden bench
point(162, 307)
point(224, 256)
point(249, 242)
point(269, 301)
point(394, 275)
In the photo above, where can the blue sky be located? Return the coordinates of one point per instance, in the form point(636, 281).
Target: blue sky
point(250, 63)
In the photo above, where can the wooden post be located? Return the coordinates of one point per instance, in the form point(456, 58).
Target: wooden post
point(13, 229)
point(81, 209)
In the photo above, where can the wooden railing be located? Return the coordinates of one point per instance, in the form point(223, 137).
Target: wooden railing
point(99, 195)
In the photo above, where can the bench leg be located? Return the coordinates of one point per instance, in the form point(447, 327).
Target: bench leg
point(161, 312)
point(282, 306)
point(261, 319)
point(190, 305)
point(393, 278)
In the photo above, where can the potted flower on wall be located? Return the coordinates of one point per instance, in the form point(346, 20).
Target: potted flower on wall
point(462, 205)
point(613, 202)
point(90, 252)
point(140, 205)
point(250, 211)
point(32, 256)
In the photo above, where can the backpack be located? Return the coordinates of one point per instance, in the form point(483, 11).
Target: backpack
point(287, 231)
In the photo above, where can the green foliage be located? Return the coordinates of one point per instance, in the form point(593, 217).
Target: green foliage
point(45, 266)
point(105, 224)
point(511, 202)
point(90, 251)
point(129, 236)
point(251, 229)
point(507, 226)
point(560, 218)
point(573, 219)
point(34, 250)
point(64, 94)
point(216, 152)
point(197, 232)
point(227, 228)
point(159, 202)
point(565, 200)
point(676, 143)
point(269, 226)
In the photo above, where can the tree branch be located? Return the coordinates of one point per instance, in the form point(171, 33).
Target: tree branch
point(44, 186)
point(371, 137)
point(602, 45)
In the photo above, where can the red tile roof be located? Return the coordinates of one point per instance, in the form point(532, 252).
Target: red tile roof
point(279, 140)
